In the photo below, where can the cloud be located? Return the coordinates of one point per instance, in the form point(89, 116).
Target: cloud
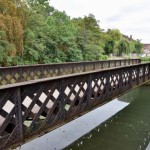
point(114, 18)
point(130, 17)
point(130, 10)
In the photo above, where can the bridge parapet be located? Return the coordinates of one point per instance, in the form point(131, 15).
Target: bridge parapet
point(32, 107)
point(11, 75)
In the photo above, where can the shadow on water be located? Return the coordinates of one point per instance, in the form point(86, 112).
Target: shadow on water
point(129, 129)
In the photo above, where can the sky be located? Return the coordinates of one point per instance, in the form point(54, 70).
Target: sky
point(131, 17)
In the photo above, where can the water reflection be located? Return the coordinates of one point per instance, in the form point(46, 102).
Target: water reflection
point(70, 132)
point(127, 130)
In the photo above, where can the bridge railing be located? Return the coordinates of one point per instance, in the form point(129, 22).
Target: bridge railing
point(10, 75)
point(32, 107)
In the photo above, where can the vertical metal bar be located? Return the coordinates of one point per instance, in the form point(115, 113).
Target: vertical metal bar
point(115, 63)
point(59, 68)
point(89, 90)
point(109, 64)
point(94, 65)
point(84, 67)
point(124, 62)
point(144, 73)
point(149, 71)
point(42, 72)
point(102, 64)
point(17, 94)
point(121, 80)
point(20, 75)
point(138, 76)
point(132, 61)
point(62, 99)
point(130, 78)
point(108, 85)
point(72, 66)
point(120, 62)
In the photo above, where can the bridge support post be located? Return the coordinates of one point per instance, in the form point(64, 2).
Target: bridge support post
point(120, 81)
point(17, 94)
point(42, 72)
point(129, 61)
point(130, 78)
point(138, 76)
point(72, 66)
point(115, 63)
point(89, 90)
point(102, 64)
point(20, 75)
point(109, 64)
point(108, 85)
point(120, 62)
point(62, 99)
point(94, 66)
point(144, 73)
point(149, 71)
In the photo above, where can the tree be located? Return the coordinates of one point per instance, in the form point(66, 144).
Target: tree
point(62, 33)
point(41, 7)
point(114, 34)
point(138, 46)
point(35, 40)
point(6, 49)
point(123, 47)
point(109, 46)
point(32, 31)
point(11, 19)
point(89, 37)
point(112, 37)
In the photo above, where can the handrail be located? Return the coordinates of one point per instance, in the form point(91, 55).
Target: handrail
point(31, 107)
point(15, 74)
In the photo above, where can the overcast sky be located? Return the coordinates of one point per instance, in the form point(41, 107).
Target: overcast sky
point(131, 17)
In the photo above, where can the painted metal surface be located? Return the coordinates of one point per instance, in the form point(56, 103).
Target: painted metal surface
point(30, 108)
point(11, 75)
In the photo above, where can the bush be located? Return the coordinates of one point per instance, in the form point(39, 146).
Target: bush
point(145, 58)
point(103, 57)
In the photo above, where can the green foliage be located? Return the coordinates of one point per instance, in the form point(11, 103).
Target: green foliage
point(89, 37)
point(103, 57)
point(123, 47)
point(109, 46)
point(32, 32)
point(74, 55)
point(40, 7)
point(145, 58)
point(5, 50)
point(138, 46)
point(112, 38)
point(114, 34)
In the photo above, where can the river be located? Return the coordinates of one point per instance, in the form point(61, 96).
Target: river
point(129, 129)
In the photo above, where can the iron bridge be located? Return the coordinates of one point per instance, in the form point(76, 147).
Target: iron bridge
point(36, 99)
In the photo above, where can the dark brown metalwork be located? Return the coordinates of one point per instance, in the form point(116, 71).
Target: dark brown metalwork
point(32, 107)
point(10, 75)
